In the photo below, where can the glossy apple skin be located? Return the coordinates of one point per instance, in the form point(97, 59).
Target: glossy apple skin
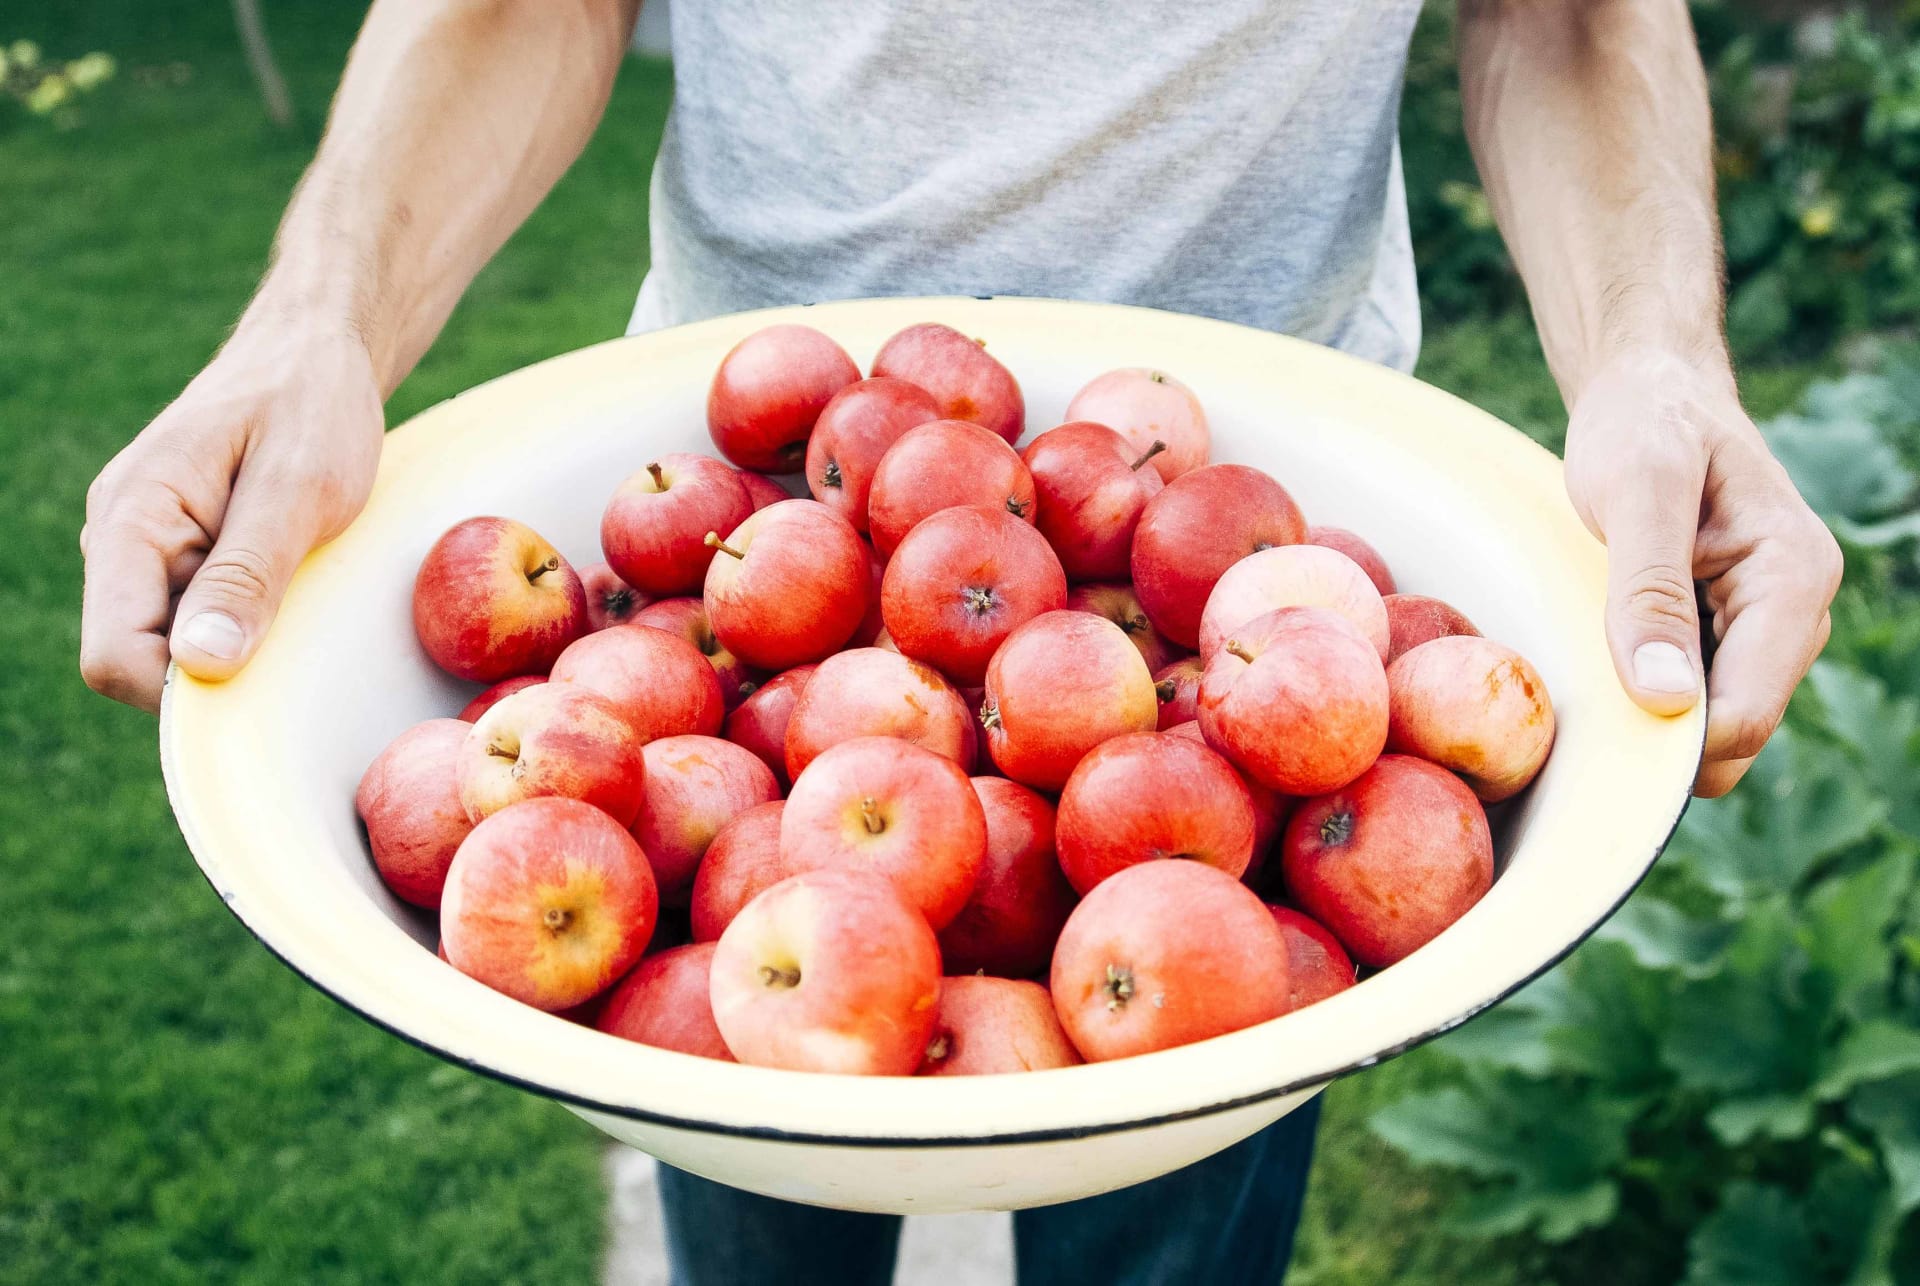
point(965, 380)
point(548, 901)
point(1475, 706)
point(1270, 812)
point(1059, 686)
point(1293, 576)
point(658, 681)
point(940, 465)
point(1308, 713)
point(687, 618)
point(1145, 407)
point(761, 489)
point(1317, 965)
point(471, 712)
point(1195, 529)
point(871, 692)
point(872, 625)
point(1355, 547)
point(610, 600)
point(654, 530)
point(1413, 619)
point(829, 971)
point(798, 590)
point(556, 739)
point(743, 860)
point(1391, 860)
point(695, 785)
point(759, 723)
point(409, 801)
point(990, 1026)
point(1118, 604)
point(768, 392)
point(885, 806)
point(1164, 954)
point(665, 1003)
point(1145, 797)
point(961, 582)
point(853, 432)
point(1091, 488)
point(1176, 686)
point(1020, 899)
point(493, 599)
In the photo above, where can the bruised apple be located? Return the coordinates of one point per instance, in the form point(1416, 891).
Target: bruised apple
point(695, 785)
point(1293, 576)
point(409, 801)
point(768, 392)
point(870, 692)
point(988, 1026)
point(1148, 408)
point(1475, 706)
point(1149, 796)
point(654, 530)
point(743, 860)
point(961, 582)
point(1091, 488)
point(658, 681)
point(556, 739)
point(665, 1003)
point(1020, 899)
point(966, 381)
point(1317, 965)
point(1118, 604)
point(493, 599)
point(1200, 525)
point(937, 466)
point(1059, 686)
point(853, 432)
point(790, 585)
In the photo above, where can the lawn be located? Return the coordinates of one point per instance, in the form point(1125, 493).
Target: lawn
point(174, 1105)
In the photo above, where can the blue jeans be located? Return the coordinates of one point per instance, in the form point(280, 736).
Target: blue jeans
point(1229, 1218)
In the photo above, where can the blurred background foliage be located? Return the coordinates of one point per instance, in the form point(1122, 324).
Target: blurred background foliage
point(1723, 1086)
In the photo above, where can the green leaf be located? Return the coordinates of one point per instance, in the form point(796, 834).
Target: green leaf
point(1747, 1029)
point(1844, 467)
point(1890, 1111)
point(1713, 845)
point(1758, 1237)
point(1661, 936)
point(1511, 1035)
point(1612, 1019)
point(1759, 315)
point(1553, 1216)
point(1881, 730)
point(1805, 803)
point(1448, 1127)
point(1844, 925)
point(1774, 1116)
point(1873, 1051)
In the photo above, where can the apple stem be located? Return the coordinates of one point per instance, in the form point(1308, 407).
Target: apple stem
point(1152, 451)
point(1118, 986)
point(551, 565)
point(989, 715)
point(1166, 690)
point(978, 598)
point(1158, 377)
point(870, 817)
point(1133, 624)
point(1233, 648)
point(1016, 506)
point(557, 918)
point(830, 476)
point(714, 542)
point(773, 977)
point(1337, 829)
point(658, 480)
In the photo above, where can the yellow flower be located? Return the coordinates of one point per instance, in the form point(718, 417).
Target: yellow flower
point(1817, 220)
point(49, 94)
point(90, 70)
point(25, 53)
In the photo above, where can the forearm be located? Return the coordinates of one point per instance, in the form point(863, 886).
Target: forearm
point(452, 121)
point(1590, 125)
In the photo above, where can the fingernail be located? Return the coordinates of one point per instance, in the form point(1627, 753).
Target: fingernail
point(216, 634)
point(1662, 667)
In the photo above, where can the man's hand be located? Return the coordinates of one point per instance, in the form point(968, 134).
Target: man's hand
point(194, 529)
point(1664, 466)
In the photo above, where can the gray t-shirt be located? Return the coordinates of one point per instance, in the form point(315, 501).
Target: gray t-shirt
point(1234, 159)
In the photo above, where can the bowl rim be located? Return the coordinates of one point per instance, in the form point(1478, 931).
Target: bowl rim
point(1342, 367)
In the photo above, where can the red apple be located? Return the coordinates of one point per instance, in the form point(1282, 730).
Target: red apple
point(695, 785)
point(1148, 408)
point(1091, 488)
point(759, 723)
point(886, 806)
point(1389, 861)
point(966, 382)
point(555, 739)
point(993, 1025)
point(1297, 700)
point(1190, 533)
point(1357, 549)
point(687, 618)
point(1020, 898)
point(830, 971)
point(1317, 964)
point(1413, 619)
point(769, 390)
point(548, 901)
point(853, 432)
point(493, 599)
point(982, 761)
point(657, 680)
point(940, 465)
point(790, 586)
point(1059, 686)
point(610, 600)
point(761, 489)
point(743, 860)
point(654, 531)
point(961, 582)
point(872, 625)
point(409, 800)
point(471, 712)
point(1293, 576)
point(870, 692)
point(665, 1003)
point(1118, 604)
point(1177, 685)
point(1164, 954)
point(1148, 796)
point(1270, 812)
point(1475, 706)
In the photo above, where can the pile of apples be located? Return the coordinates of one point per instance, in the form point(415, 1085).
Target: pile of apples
point(978, 760)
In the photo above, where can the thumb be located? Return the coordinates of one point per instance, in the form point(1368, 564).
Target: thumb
point(1653, 623)
point(231, 600)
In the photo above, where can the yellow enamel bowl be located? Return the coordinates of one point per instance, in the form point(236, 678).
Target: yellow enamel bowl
point(261, 770)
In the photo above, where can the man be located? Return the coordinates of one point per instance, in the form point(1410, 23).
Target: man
point(1235, 159)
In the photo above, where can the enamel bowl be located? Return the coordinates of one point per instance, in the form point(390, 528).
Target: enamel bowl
point(261, 770)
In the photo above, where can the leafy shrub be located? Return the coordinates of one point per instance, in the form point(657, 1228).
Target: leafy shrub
point(47, 88)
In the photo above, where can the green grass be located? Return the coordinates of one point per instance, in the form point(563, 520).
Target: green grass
point(175, 1105)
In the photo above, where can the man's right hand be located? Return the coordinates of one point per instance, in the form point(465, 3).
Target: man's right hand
point(194, 529)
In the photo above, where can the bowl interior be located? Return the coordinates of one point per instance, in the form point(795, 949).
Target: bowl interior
point(261, 770)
